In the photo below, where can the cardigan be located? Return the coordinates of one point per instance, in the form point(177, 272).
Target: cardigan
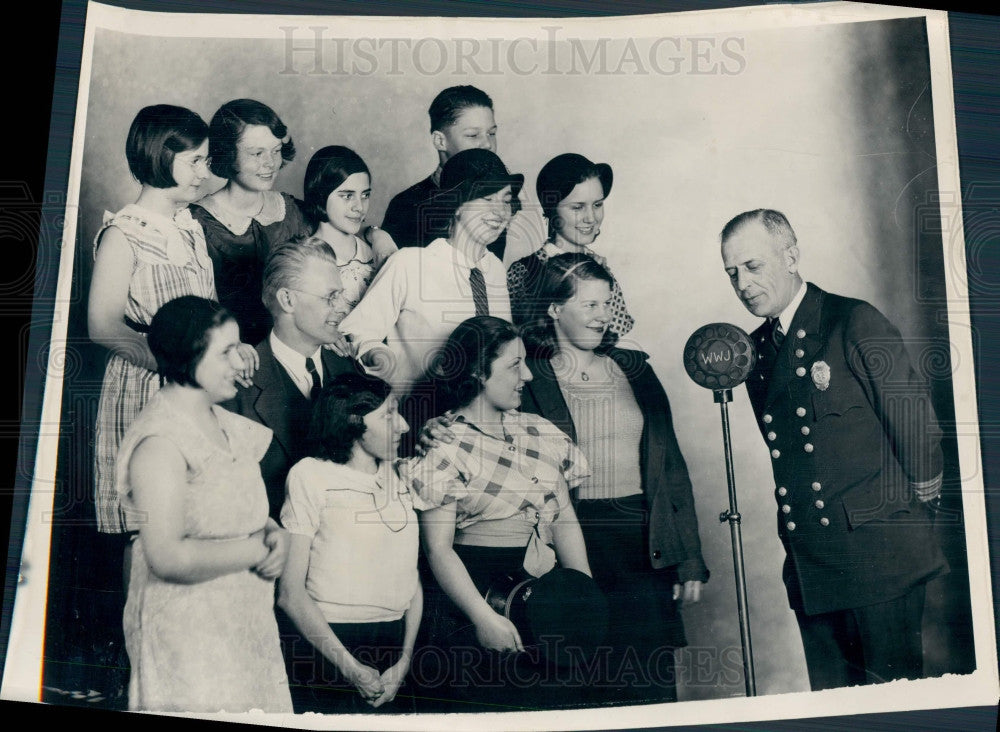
point(673, 523)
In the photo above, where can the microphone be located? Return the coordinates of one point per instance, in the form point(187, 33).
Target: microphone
point(719, 356)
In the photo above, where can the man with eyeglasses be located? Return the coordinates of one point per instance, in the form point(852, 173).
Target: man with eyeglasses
point(303, 293)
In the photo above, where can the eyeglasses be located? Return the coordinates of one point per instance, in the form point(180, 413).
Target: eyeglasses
point(193, 163)
point(332, 300)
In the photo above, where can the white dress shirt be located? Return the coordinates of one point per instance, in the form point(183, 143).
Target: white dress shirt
point(785, 319)
point(294, 364)
point(415, 302)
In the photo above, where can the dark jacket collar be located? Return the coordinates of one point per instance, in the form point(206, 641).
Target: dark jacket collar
point(805, 334)
point(275, 397)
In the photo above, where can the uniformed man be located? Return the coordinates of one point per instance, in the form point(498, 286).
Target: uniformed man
point(855, 451)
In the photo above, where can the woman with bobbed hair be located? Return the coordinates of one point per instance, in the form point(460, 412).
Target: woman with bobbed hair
point(245, 219)
point(147, 254)
point(571, 190)
point(199, 620)
point(338, 188)
point(350, 584)
point(636, 508)
point(494, 502)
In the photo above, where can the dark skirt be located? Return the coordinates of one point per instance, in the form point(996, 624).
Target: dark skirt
point(454, 673)
point(318, 686)
point(646, 625)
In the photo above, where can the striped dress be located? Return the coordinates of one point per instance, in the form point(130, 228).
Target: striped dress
point(169, 259)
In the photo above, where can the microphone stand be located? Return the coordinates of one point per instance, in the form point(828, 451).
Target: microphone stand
point(732, 515)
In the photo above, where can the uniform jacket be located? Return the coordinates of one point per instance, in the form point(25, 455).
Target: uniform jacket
point(848, 425)
point(274, 400)
point(673, 525)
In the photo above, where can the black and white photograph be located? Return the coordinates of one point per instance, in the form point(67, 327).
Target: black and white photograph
point(563, 373)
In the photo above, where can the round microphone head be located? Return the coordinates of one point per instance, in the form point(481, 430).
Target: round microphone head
point(719, 356)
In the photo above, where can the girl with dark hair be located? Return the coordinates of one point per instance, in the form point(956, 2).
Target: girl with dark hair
point(337, 192)
point(571, 190)
point(636, 508)
point(494, 502)
point(245, 219)
point(199, 619)
point(150, 252)
point(350, 584)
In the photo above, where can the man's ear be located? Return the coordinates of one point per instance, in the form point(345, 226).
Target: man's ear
point(792, 258)
point(437, 139)
point(284, 298)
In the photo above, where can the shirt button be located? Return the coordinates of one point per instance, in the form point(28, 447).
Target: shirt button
point(782, 491)
point(790, 525)
point(800, 411)
point(776, 454)
point(805, 430)
point(808, 447)
point(786, 508)
point(511, 448)
point(799, 353)
point(820, 504)
point(800, 333)
point(816, 486)
point(657, 554)
point(767, 418)
point(800, 371)
point(824, 521)
point(534, 478)
point(772, 436)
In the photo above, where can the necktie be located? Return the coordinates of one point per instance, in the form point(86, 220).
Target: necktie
point(478, 283)
point(777, 334)
point(317, 386)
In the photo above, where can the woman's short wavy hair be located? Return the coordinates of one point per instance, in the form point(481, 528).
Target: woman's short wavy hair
point(179, 334)
point(227, 126)
point(560, 279)
point(338, 416)
point(464, 362)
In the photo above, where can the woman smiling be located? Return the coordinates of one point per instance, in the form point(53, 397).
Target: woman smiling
point(351, 585)
point(571, 190)
point(495, 503)
point(199, 620)
point(246, 219)
point(636, 509)
point(420, 295)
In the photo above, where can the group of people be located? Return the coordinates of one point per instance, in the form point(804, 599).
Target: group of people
point(272, 358)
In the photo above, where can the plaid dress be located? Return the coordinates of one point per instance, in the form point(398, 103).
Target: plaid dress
point(527, 475)
point(169, 259)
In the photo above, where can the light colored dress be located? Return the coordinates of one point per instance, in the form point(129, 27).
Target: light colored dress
point(169, 259)
point(357, 272)
point(213, 645)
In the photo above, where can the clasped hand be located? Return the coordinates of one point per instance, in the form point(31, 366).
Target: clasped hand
point(368, 682)
point(276, 540)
